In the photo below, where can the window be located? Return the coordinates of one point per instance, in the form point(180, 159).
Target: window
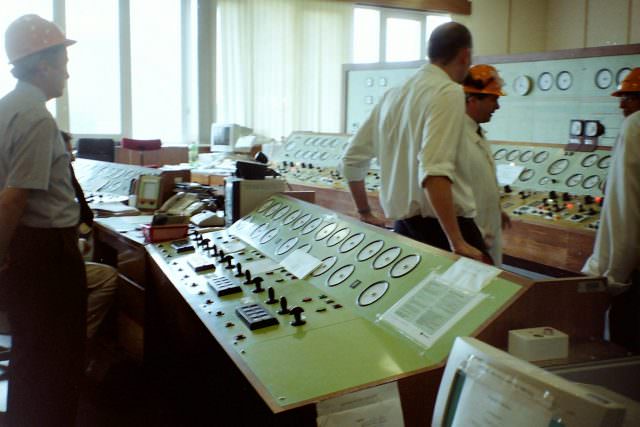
point(392, 35)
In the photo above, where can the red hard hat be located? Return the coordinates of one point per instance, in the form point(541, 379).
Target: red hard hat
point(30, 34)
point(631, 83)
point(484, 79)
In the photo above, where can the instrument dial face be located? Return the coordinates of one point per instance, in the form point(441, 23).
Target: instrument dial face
point(604, 162)
point(574, 180)
point(541, 157)
point(405, 265)
point(262, 228)
point(591, 128)
point(558, 166)
point(287, 246)
point(326, 265)
point(604, 78)
point(591, 182)
point(386, 257)
point(500, 154)
point(526, 175)
point(338, 237)
point(513, 154)
point(522, 85)
point(282, 212)
point(621, 74)
point(272, 209)
point(325, 231)
point(269, 235)
point(340, 275)
point(545, 81)
point(564, 80)
point(292, 217)
point(265, 206)
point(589, 160)
point(544, 180)
point(370, 250)
point(575, 128)
point(312, 225)
point(372, 293)
point(526, 156)
point(351, 242)
point(301, 221)
point(306, 248)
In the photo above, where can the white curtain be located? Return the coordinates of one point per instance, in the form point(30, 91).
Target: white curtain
point(279, 64)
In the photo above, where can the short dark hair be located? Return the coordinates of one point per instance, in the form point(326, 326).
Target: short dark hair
point(447, 40)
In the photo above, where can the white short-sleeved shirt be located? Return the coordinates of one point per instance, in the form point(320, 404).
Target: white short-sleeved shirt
point(616, 252)
point(415, 132)
point(33, 156)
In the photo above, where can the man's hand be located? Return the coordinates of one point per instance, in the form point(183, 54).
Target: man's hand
point(464, 249)
point(505, 220)
point(372, 219)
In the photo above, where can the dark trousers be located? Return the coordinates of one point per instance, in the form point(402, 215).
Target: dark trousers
point(624, 316)
point(45, 288)
point(428, 230)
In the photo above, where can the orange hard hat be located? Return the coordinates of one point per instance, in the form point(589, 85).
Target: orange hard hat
point(484, 79)
point(30, 34)
point(631, 83)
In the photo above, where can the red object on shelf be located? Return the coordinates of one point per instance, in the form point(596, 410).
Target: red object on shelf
point(162, 233)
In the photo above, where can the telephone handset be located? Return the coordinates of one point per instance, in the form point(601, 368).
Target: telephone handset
point(182, 204)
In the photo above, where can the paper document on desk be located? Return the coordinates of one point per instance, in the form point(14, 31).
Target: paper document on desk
point(469, 275)
point(114, 208)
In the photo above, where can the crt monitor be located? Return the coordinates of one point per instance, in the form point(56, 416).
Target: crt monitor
point(224, 137)
point(483, 386)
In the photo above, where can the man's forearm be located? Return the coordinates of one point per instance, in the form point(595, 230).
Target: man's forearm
point(12, 204)
point(359, 194)
point(438, 191)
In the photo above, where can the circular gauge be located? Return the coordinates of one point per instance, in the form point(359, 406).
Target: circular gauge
point(604, 162)
point(338, 237)
point(340, 275)
point(290, 146)
point(575, 128)
point(325, 231)
point(564, 80)
point(604, 78)
point(544, 180)
point(306, 248)
point(558, 166)
point(282, 212)
point(541, 157)
point(291, 217)
point(372, 293)
point(500, 154)
point(312, 225)
point(526, 156)
point(301, 221)
point(260, 230)
point(522, 85)
point(273, 209)
point(351, 242)
point(526, 175)
point(370, 250)
point(386, 257)
point(545, 81)
point(590, 182)
point(590, 160)
point(513, 154)
point(574, 180)
point(266, 206)
point(269, 235)
point(286, 246)
point(621, 74)
point(405, 265)
point(326, 265)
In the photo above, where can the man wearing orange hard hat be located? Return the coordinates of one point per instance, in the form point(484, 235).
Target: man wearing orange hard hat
point(42, 271)
point(482, 88)
point(616, 252)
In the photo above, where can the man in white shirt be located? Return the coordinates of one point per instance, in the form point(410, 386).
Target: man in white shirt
point(415, 132)
point(616, 253)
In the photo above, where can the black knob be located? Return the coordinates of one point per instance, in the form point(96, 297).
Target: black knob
point(205, 243)
point(271, 294)
point(215, 249)
point(588, 200)
point(239, 269)
point(297, 316)
point(257, 281)
point(507, 189)
point(247, 275)
point(553, 195)
point(228, 260)
point(283, 306)
point(221, 254)
point(566, 197)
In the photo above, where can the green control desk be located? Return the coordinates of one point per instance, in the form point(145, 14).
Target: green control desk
point(228, 348)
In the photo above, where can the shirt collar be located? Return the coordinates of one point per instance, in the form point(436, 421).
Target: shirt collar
point(472, 127)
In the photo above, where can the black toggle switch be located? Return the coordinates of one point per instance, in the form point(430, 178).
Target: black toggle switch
point(283, 306)
point(221, 254)
point(215, 249)
point(272, 296)
point(247, 275)
point(257, 281)
point(507, 189)
point(205, 243)
point(297, 316)
point(228, 259)
point(239, 269)
point(553, 194)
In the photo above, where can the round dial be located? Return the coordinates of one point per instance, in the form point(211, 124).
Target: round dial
point(386, 257)
point(286, 246)
point(526, 156)
point(301, 221)
point(522, 85)
point(564, 80)
point(591, 128)
point(574, 180)
point(526, 175)
point(372, 293)
point(513, 154)
point(621, 74)
point(590, 160)
point(590, 182)
point(405, 265)
point(558, 166)
point(325, 231)
point(604, 162)
point(340, 275)
point(326, 265)
point(272, 209)
point(545, 81)
point(291, 217)
point(370, 250)
point(306, 248)
point(282, 212)
point(500, 153)
point(265, 206)
point(338, 237)
point(351, 242)
point(604, 78)
point(541, 157)
point(544, 180)
point(290, 146)
point(312, 225)
point(260, 230)
point(269, 235)
point(576, 127)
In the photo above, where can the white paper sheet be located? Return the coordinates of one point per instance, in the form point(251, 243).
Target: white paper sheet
point(300, 263)
point(469, 275)
point(507, 174)
point(261, 266)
